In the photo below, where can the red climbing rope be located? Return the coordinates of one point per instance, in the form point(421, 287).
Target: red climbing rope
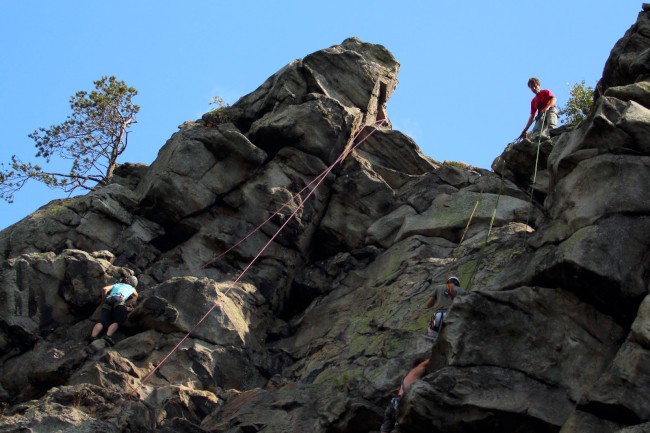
point(344, 154)
point(318, 180)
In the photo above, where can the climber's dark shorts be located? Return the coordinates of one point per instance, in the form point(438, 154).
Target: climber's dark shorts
point(390, 415)
point(115, 314)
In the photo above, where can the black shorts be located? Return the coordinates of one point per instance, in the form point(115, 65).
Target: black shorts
point(390, 415)
point(113, 314)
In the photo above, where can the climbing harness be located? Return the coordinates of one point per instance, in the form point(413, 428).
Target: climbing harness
point(437, 319)
point(114, 300)
point(318, 180)
point(119, 293)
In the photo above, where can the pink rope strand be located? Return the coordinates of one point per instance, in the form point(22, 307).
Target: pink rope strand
point(293, 197)
point(319, 179)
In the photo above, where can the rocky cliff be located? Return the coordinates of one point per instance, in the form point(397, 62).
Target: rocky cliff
point(286, 246)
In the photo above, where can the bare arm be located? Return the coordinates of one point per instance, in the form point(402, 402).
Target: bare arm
point(133, 298)
point(414, 375)
point(105, 291)
point(530, 122)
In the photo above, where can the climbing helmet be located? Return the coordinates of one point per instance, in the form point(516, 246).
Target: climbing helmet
point(132, 280)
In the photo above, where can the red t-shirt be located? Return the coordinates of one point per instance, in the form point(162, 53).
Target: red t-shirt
point(540, 100)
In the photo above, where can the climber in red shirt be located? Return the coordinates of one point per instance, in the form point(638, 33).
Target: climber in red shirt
point(543, 102)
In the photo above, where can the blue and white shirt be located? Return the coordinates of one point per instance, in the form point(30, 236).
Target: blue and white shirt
point(121, 290)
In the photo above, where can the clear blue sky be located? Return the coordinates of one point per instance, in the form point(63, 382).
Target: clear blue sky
point(464, 65)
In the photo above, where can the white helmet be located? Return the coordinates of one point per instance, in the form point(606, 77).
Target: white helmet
point(132, 280)
point(454, 280)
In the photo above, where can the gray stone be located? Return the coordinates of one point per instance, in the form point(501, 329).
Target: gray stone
point(286, 247)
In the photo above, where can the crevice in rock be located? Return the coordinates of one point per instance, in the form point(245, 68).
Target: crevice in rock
point(19, 340)
point(300, 297)
point(381, 102)
point(524, 373)
point(594, 289)
point(175, 234)
point(359, 419)
point(271, 141)
point(328, 246)
point(312, 83)
point(616, 413)
point(506, 303)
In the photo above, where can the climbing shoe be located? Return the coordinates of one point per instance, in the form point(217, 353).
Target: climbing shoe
point(109, 340)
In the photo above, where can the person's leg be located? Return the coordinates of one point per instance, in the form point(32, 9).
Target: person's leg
point(119, 316)
point(537, 129)
point(551, 121)
point(111, 329)
point(96, 329)
point(104, 321)
point(390, 416)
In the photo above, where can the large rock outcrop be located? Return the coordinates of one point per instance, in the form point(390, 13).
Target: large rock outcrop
point(286, 246)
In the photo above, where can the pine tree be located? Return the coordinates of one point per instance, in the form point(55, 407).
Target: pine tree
point(92, 137)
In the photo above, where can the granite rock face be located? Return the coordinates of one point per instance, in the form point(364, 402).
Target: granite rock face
point(286, 246)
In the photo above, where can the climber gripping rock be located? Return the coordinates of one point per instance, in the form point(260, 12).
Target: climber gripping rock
point(117, 300)
point(441, 299)
point(542, 110)
point(419, 368)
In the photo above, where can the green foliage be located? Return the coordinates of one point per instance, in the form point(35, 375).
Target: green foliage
point(92, 137)
point(220, 114)
point(218, 101)
point(457, 164)
point(579, 104)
